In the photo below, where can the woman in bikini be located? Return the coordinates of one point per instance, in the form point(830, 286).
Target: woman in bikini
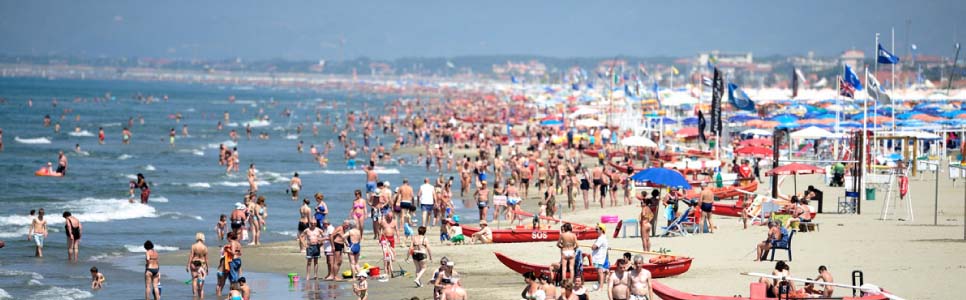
point(645, 221)
point(152, 272)
point(568, 249)
point(421, 254)
point(358, 212)
point(198, 265)
point(257, 221)
point(532, 290)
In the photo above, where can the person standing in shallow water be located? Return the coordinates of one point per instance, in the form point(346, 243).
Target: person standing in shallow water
point(142, 184)
point(72, 227)
point(152, 272)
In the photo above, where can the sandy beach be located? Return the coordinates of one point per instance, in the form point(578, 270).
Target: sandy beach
point(911, 259)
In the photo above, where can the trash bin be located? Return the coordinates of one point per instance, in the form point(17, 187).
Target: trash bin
point(869, 194)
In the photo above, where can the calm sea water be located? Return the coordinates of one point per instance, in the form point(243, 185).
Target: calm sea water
point(190, 190)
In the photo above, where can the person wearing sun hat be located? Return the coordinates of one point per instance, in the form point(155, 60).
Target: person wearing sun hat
point(361, 286)
point(599, 255)
point(485, 235)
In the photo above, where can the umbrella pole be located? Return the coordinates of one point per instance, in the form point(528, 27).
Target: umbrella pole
point(795, 179)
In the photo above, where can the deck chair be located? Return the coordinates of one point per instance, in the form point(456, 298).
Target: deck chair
point(676, 228)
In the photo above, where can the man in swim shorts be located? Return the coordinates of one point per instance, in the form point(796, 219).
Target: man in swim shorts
point(313, 237)
point(38, 232)
point(707, 204)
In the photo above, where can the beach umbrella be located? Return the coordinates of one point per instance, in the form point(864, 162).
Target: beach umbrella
point(589, 123)
point(755, 131)
point(741, 118)
point(690, 121)
point(755, 142)
point(662, 177)
point(784, 118)
point(811, 132)
point(795, 169)
point(638, 141)
point(583, 111)
point(754, 151)
point(687, 132)
point(551, 122)
point(787, 126)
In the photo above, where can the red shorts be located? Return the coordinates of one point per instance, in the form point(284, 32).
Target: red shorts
point(390, 239)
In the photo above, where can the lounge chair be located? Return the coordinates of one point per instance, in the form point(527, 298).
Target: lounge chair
point(676, 227)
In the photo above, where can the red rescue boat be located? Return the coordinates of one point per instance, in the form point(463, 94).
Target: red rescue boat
point(523, 234)
point(675, 267)
point(758, 292)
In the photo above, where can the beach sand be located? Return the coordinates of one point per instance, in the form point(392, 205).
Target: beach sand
point(912, 259)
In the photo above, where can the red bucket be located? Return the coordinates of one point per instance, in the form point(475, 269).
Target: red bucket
point(373, 271)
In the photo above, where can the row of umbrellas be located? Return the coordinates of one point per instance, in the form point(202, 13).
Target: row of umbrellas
point(674, 179)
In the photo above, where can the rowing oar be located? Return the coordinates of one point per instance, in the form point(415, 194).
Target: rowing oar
point(866, 289)
point(632, 251)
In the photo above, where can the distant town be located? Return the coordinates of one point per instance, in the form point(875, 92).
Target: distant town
point(915, 71)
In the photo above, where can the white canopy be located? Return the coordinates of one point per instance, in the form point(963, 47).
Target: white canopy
point(676, 99)
point(589, 123)
point(638, 141)
point(812, 132)
point(922, 135)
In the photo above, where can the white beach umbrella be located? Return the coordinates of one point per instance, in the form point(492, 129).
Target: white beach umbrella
point(638, 141)
point(812, 132)
point(589, 123)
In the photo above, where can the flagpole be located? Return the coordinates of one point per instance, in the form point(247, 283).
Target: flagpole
point(865, 136)
point(875, 145)
point(893, 81)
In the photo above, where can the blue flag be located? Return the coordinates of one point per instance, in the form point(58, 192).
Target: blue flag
point(885, 57)
point(739, 99)
point(513, 79)
point(851, 79)
point(575, 86)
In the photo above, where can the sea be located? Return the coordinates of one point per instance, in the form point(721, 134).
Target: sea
point(189, 189)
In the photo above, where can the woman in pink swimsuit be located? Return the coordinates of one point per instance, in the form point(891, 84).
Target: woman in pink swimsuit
point(358, 212)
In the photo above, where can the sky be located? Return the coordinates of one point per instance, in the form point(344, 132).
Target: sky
point(332, 30)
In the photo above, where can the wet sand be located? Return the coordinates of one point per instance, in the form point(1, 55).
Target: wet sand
point(912, 259)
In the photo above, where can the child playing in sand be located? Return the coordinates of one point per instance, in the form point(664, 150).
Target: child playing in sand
point(361, 287)
point(97, 279)
point(220, 227)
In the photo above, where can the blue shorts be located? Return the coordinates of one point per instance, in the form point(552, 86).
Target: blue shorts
point(426, 207)
point(234, 266)
point(482, 177)
point(371, 187)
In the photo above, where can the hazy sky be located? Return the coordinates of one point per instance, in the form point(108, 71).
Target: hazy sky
point(392, 29)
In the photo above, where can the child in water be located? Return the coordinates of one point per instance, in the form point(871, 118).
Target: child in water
point(97, 279)
point(361, 287)
point(131, 186)
point(220, 227)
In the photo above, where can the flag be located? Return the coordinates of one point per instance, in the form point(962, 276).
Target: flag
point(657, 94)
point(513, 79)
point(846, 89)
point(450, 64)
point(575, 86)
point(885, 57)
point(627, 91)
point(875, 89)
point(674, 70)
point(851, 79)
point(702, 123)
point(717, 88)
point(643, 70)
point(794, 83)
point(739, 99)
point(705, 81)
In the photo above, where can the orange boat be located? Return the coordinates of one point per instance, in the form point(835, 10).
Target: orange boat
point(675, 266)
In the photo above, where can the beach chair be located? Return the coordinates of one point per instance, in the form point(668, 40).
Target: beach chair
point(676, 227)
point(788, 247)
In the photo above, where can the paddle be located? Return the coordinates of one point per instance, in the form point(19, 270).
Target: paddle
point(867, 289)
point(633, 251)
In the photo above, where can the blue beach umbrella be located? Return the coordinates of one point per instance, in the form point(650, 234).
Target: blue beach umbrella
point(663, 177)
point(551, 123)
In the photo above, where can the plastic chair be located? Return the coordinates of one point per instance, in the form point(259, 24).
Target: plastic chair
point(625, 227)
point(788, 247)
